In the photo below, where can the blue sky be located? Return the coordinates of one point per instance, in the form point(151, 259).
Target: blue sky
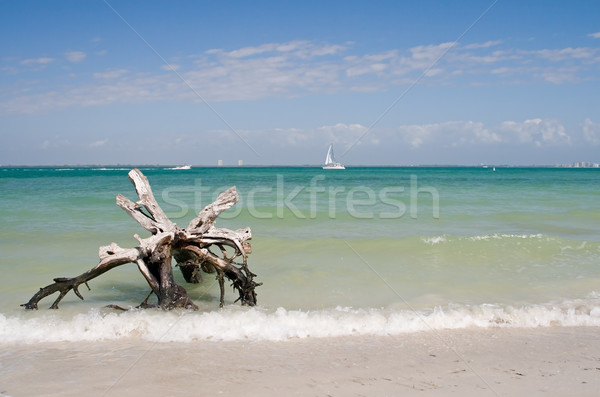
point(388, 82)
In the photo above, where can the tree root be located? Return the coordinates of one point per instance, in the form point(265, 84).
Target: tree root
point(190, 247)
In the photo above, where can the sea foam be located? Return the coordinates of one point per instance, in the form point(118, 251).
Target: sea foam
point(235, 323)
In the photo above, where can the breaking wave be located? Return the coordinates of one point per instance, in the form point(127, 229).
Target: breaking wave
point(236, 323)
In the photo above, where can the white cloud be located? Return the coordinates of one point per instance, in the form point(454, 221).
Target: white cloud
point(371, 63)
point(299, 48)
point(10, 70)
point(281, 71)
point(367, 68)
point(344, 136)
point(557, 55)
point(559, 75)
point(340, 134)
point(595, 35)
point(55, 143)
point(591, 131)
point(249, 51)
point(38, 61)
point(454, 138)
point(487, 44)
point(299, 68)
point(451, 133)
point(454, 133)
point(421, 58)
point(504, 70)
point(489, 58)
point(110, 74)
point(416, 135)
point(537, 131)
point(327, 50)
point(98, 143)
point(430, 52)
point(171, 67)
point(75, 56)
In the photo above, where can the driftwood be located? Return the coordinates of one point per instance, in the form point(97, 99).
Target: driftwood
point(190, 247)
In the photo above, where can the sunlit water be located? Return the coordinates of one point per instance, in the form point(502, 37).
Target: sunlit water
point(359, 251)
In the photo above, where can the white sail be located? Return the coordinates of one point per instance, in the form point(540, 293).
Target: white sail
point(330, 162)
point(329, 158)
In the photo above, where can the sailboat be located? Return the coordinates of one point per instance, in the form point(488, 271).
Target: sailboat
point(330, 162)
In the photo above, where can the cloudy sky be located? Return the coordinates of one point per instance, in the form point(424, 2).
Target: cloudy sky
point(274, 82)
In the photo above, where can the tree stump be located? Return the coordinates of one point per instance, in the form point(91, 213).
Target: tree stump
point(192, 248)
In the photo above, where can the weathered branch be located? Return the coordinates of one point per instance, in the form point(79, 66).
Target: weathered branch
point(111, 258)
point(137, 213)
point(242, 278)
point(206, 218)
point(144, 192)
point(153, 256)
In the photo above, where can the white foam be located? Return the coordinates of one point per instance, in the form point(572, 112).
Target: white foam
point(497, 236)
point(484, 237)
point(434, 240)
point(236, 323)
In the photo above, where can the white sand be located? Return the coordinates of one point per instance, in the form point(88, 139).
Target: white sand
point(473, 362)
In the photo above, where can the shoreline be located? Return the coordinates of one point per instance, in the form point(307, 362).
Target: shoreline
point(551, 361)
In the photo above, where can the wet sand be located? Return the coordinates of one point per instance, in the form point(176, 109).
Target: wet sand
point(554, 361)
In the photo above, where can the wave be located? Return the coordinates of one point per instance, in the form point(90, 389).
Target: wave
point(235, 323)
point(433, 240)
point(512, 242)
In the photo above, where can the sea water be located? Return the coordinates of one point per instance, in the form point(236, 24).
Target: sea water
point(361, 251)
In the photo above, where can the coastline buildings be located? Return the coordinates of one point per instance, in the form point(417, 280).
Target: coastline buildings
point(585, 164)
point(581, 164)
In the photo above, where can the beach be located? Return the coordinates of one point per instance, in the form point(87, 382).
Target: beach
point(548, 361)
point(174, 221)
point(377, 281)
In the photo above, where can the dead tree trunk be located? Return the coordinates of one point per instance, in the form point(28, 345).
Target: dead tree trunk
point(192, 248)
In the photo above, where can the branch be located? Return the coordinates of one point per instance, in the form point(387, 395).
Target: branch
point(242, 279)
point(137, 214)
point(206, 218)
point(154, 220)
point(111, 257)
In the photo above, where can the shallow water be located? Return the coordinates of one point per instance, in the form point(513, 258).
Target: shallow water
point(365, 250)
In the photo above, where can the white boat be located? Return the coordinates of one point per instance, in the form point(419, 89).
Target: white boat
point(183, 167)
point(330, 162)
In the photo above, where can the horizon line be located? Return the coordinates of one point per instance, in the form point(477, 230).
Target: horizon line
point(565, 165)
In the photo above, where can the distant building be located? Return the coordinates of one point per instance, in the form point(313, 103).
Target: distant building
point(584, 164)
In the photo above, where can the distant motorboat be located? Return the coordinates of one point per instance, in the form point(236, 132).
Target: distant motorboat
point(182, 167)
point(330, 162)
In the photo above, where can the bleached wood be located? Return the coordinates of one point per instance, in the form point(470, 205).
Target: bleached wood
point(206, 218)
point(144, 192)
point(153, 255)
point(135, 211)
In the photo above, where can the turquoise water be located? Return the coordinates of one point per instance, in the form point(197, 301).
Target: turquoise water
point(364, 250)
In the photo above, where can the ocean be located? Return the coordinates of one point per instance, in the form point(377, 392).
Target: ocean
point(361, 251)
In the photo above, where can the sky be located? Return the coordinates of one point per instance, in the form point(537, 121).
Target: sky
point(275, 82)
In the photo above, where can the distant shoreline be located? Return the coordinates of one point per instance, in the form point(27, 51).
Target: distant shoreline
point(129, 166)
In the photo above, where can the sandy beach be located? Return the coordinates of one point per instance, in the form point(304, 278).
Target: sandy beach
point(554, 361)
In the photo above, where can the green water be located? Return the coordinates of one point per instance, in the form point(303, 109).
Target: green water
point(362, 238)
